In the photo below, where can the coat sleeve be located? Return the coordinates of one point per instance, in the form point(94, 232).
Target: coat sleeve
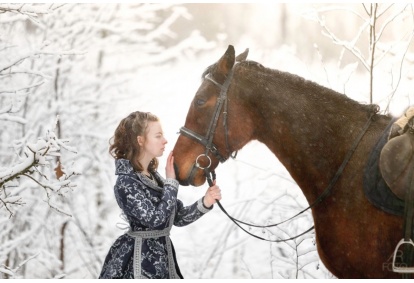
point(131, 197)
point(188, 214)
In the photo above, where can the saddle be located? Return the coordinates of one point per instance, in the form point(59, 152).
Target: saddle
point(397, 161)
point(397, 168)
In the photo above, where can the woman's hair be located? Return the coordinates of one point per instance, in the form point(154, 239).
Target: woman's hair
point(124, 143)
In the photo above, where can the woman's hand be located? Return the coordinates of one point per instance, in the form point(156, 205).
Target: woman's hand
point(212, 195)
point(169, 168)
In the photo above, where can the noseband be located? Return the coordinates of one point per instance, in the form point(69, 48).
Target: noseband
point(207, 141)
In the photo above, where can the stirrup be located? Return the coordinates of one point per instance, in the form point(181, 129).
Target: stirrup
point(401, 268)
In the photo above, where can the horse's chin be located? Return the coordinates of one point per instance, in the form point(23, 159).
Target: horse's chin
point(184, 183)
point(198, 182)
point(194, 183)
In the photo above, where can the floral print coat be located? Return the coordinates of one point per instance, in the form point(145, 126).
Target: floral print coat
point(146, 250)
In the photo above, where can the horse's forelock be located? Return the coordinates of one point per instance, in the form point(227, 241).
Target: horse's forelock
point(207, 71)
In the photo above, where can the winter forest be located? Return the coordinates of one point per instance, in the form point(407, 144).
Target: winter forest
point(70, 72)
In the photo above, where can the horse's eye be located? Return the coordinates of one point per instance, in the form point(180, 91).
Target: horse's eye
point(200, 102)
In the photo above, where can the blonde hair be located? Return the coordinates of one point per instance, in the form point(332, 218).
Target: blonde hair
point(124, 143)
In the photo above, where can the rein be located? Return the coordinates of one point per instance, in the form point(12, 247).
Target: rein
point(210, 147)
point(236, 221)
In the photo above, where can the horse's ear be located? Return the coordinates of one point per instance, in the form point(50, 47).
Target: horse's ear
point(226, 62)
point(242, 57)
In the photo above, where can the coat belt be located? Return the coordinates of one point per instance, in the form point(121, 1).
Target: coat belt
point(150, 234)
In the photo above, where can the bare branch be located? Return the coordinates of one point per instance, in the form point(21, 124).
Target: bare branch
point(11, 201)
point(12, 271)
point(23, 88)
point(348, 45)
point(38, 52)
point(25, 9)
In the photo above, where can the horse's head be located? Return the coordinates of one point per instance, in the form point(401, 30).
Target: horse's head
point(214, 127)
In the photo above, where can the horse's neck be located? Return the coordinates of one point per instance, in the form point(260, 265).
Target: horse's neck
point(310, 135)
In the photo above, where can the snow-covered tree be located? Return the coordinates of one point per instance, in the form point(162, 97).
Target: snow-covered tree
point(379, 41)
point(69, 73)
point(63, 68)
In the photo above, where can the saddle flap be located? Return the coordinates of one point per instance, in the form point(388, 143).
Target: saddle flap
point(397, 162)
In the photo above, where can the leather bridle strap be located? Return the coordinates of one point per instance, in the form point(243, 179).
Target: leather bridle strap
point(202, 140)
point(207, 141)
point(219, 104)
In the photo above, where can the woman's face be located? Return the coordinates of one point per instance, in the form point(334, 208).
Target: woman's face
point(154, 142)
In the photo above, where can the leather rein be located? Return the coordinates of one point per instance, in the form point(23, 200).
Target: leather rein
point(207, 142)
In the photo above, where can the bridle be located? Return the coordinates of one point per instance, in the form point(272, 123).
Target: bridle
point(207, 142)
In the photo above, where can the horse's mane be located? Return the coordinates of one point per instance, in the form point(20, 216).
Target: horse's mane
point(310, 85)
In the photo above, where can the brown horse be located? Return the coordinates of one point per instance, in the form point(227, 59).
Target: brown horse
point(310, 129)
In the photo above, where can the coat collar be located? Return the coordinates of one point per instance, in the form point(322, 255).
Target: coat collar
point(124, 167)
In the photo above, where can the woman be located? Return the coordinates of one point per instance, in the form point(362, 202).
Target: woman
point(149, 202)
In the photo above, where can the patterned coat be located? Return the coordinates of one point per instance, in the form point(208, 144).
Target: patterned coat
point(146, 250)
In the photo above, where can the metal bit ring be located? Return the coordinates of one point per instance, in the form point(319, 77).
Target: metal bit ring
point(198, 164)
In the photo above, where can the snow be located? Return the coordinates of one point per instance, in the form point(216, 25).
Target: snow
point(70, 73)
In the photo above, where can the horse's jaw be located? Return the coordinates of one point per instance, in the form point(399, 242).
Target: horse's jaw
point(193, 178)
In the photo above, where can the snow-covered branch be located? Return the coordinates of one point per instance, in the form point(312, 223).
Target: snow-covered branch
point(36, 156)
point(374, 28)
point(12, 271)
point(35, 53)
point(22, 88)
point(24, 8)
point(350, 45)
point(23, 11)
